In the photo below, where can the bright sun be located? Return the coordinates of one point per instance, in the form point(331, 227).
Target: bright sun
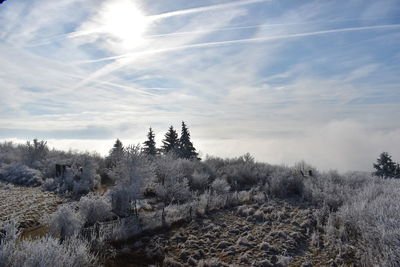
point(123, 20)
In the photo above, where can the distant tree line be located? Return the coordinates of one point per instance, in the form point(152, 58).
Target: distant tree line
point(385, 167)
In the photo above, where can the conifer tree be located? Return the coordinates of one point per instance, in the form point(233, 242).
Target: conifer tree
point(115, 155)
point(186, 148)
point(385, 167)
point(150, 145)
point(171, 141)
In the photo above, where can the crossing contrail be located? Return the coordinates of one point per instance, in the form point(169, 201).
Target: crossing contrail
point(125, 59)
point(243, 41)
point(157, 17)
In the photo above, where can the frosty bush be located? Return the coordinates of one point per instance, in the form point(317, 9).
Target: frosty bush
point(20, 174)
point(94, 208)
point(87, 179)
point(9, 153)
point(65, 222)
point(35, 153)
point(175, 213)
point(79, 179)
point(373, 213)
point(134, 171)
point(333, 190)
point(286, 183)
point(46, 251)
point(220, 186)
point(120, 201)
point(199, 181)
point(242, 172)
point(9, 231)
point(174, 191)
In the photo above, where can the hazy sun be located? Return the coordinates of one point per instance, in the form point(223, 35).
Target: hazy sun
point(123, 20)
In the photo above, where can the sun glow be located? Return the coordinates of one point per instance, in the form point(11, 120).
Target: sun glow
point(123, 21)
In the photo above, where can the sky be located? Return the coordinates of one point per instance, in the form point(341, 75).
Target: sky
point(283, 80)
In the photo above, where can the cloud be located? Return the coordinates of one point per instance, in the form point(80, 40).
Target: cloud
point(282, 81)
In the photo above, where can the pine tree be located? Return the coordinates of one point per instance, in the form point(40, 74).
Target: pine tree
point(397, 171)
point(186, 148)
point(150, 145)
point(115, 155)
point(385, 167)
point(171, 141)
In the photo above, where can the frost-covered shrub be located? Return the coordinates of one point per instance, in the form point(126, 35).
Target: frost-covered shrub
point(9, 153)
point(46, 251)
point(203, 204)
point(172, 185)
point(199, 181)
point(372, 218)
point(286, 183)
point(94, 208)
point(65, 222)
point(242, 172)
point(133, 174)
point(220, 186)
point(20, 174)
point(175, 213)
point(120, 200)
point(174, 191)
point(356, 208)
point(333, 189)
point(9, 231)
point(167, 167)
point(87, 178)
point(218, 201)
point(35, 153)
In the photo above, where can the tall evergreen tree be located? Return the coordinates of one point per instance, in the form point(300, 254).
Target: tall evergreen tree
point(150, 145)
point(186, 148)
point(385, 167)
point(115, 155)
point(171, 141)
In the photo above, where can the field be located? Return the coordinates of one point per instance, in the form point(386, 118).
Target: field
point(26, 204)
point(276, 233)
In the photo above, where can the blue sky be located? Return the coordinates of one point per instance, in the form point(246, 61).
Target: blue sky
point(283, 80)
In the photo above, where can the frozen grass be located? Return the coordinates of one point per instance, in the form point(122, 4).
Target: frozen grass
point(27, 204)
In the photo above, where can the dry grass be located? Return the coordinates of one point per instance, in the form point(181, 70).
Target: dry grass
point(26, 204)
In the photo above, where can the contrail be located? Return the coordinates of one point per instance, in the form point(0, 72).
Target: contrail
point(266, 25)
point(157, 17)
point(243, 41)
point(126, 58)
point(203, 9)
